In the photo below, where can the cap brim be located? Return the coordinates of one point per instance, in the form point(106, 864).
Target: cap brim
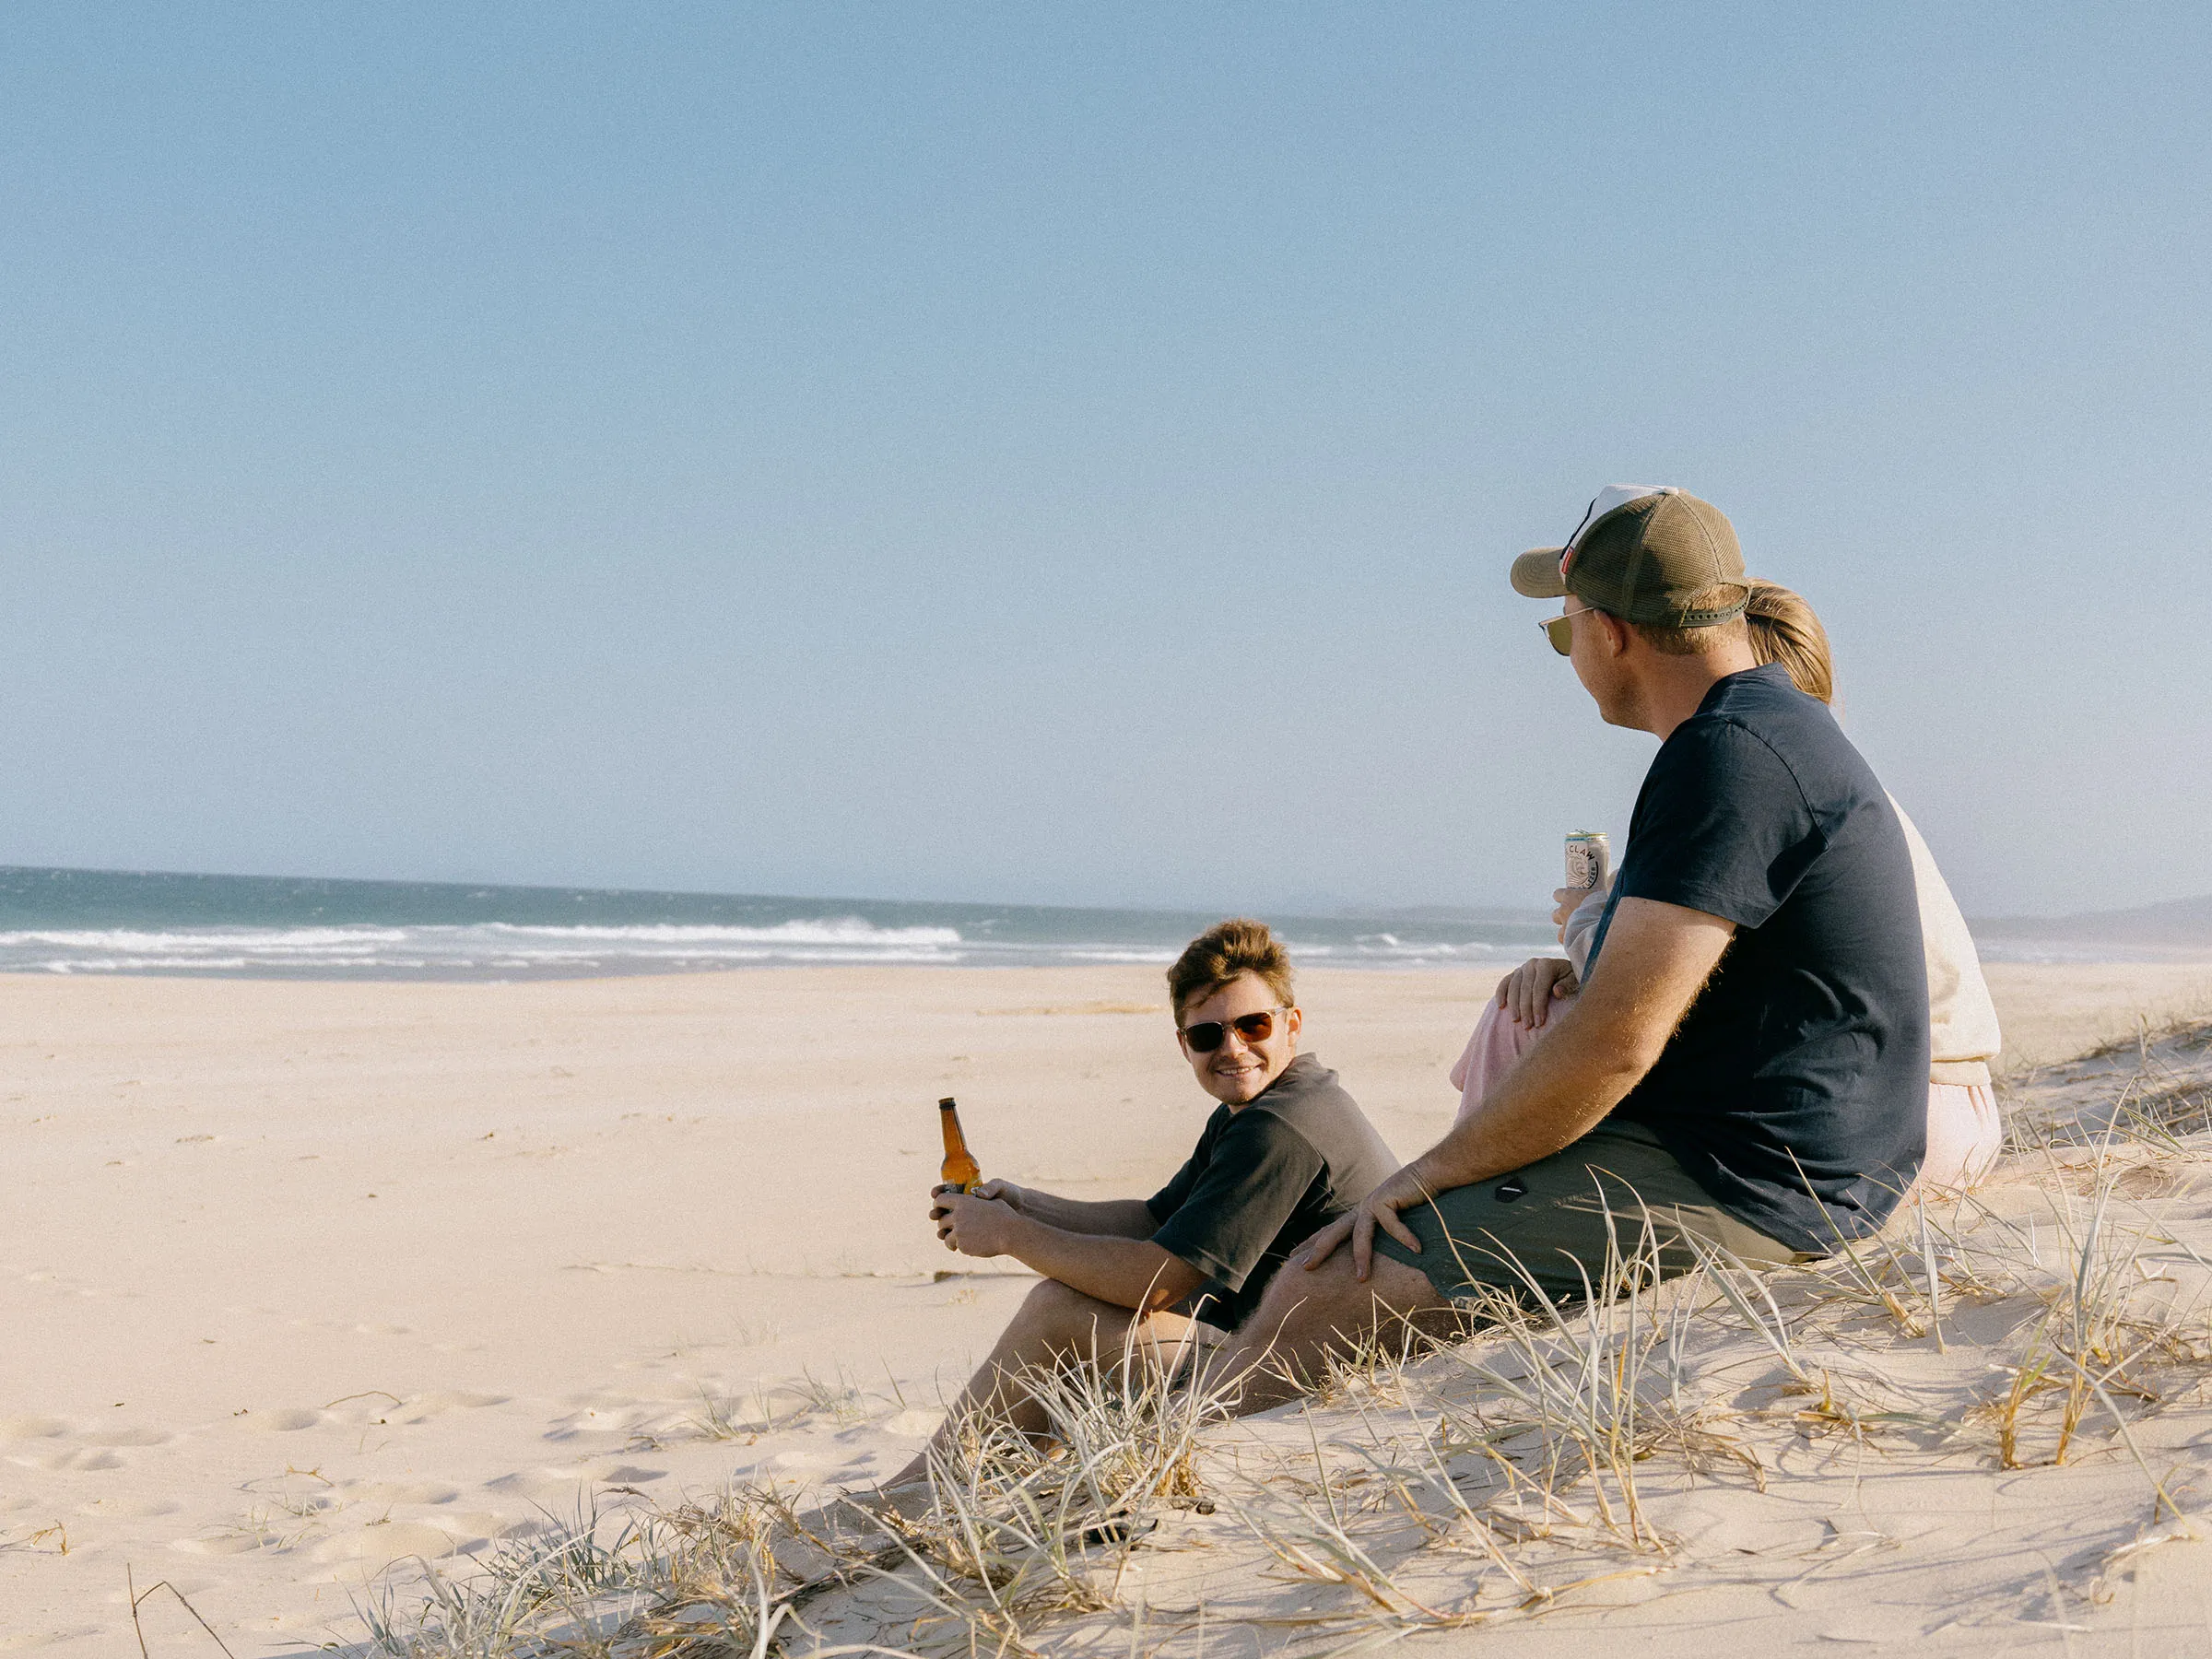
point(1537, 574)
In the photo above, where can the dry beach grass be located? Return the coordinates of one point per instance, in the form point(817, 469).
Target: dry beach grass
point(1654, 1451)
point(606, 1328)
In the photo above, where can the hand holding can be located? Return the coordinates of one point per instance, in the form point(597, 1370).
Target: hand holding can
point(1589, 859)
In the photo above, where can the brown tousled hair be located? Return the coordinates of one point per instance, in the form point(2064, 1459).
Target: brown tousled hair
point(1224, 953)
point(1784, 629)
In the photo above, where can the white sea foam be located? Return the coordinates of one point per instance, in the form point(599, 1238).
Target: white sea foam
point(499, 950)
point(212, 938)
point(505, 949)
point(340, 930)
point(471, 949)
point(842, 931)
point(347, 930)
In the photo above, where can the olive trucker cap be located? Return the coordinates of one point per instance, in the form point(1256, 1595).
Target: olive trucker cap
point(1643, 552)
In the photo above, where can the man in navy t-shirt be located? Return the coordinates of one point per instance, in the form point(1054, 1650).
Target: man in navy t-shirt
point(1792, 1090)
point(1745, 1067)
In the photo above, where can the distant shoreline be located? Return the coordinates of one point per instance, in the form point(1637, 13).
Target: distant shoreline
point(109, 922)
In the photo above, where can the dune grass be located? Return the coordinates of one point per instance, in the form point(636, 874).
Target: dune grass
point(1433, 1484)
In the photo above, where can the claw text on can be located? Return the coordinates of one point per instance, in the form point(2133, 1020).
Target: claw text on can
point(1589, 859)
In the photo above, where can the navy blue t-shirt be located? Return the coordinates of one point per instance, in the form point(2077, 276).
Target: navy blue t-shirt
point(1796, 1090)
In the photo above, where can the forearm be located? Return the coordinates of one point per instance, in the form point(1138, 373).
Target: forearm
point(1129, 1273)
point(1560, 1090)
point(1110, 1218)
point(1656, 960)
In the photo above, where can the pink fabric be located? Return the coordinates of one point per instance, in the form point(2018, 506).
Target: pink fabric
point(1499, 1040)
point(1965, 1133)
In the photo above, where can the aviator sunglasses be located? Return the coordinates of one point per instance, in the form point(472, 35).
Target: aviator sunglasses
point(1210, 1034)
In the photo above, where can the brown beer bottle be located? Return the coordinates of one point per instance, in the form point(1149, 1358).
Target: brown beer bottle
point(961, 1168)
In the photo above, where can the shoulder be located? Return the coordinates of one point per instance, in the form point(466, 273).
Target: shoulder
point(1756, 730)
point(1321, 1115)
point(1260, 1123)
point(1712, 738)
point(1750, 715)
point(1301, 1103)
point(1261, 1137)
point(1720, 763)
point(1306, 1090)
point(1218, 1123)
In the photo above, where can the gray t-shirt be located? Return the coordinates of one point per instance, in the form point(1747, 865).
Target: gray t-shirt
point(1263, 1179)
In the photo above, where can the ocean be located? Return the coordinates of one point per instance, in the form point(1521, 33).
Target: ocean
point(107, 921)
point(56, 921)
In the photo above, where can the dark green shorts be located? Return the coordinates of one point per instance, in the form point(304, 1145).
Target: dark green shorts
point(1549, 1223)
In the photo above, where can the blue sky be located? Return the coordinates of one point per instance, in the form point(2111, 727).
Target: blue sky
point(1072, 454)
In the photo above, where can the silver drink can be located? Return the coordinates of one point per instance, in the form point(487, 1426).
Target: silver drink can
point(1589, 859)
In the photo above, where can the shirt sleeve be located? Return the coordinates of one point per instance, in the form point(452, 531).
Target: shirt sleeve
point(1721, 828)
point(1232, 1211)
point(1169, 1199)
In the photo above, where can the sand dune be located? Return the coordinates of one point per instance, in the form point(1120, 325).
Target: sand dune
point(301, 1280)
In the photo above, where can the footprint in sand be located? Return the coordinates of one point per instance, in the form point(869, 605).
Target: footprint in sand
point(424, 1407)
point(373, 1549)
point(599, 1401)
point(557, 1483)
point(83, 1457)
point(534, 1486)
point(221, 1544)
point(128, 1507)
point(289, 1420)
point(392, 1492)
point(486, 1526)
point(31, 1427)
point(128, 1437)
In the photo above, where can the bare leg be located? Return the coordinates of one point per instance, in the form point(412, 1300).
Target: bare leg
point(1055, 1328)
point(1277, 1353)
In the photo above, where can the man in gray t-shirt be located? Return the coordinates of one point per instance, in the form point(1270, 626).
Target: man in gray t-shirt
point(1284, 1153)
point(1266, 1177)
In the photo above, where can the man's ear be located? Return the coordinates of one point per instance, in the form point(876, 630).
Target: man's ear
point(1619, 636)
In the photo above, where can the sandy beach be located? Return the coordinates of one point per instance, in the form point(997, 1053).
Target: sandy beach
point(301, 1279)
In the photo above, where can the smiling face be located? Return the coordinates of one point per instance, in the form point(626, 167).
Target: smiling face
point(1236, 1072)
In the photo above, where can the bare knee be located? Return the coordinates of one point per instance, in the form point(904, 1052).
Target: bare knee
point(1330, 1298)
point(1304, 1313)
point(1056, 1314)
point(1049, 1300)
point(1289, 1305)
